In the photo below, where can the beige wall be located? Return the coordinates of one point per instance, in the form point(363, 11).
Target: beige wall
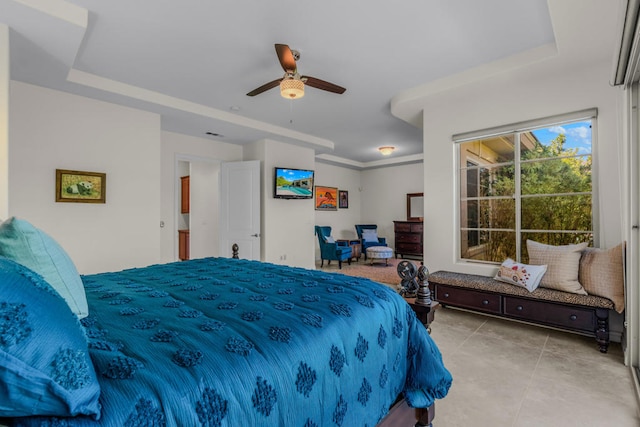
point(522, 95)
point(52, 130)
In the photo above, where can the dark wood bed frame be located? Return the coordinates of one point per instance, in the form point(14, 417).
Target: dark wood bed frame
point(402, 415)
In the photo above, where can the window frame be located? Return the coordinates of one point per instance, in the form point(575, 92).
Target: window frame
point(518, 128)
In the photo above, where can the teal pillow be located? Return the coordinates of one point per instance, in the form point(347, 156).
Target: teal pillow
point(36, 250)
point(45, 368)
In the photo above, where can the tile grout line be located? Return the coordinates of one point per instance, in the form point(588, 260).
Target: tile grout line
point(526, 390)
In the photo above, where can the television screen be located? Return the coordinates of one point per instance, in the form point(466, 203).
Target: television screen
point(293, 184)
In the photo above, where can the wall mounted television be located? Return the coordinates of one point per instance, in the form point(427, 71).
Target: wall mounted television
point(293, 183)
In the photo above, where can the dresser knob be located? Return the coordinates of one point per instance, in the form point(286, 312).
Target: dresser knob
point(446, 295)
point(573, 317)
point(519, 308)
point(485, 302)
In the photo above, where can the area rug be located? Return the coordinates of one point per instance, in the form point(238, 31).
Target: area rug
point(379, 272)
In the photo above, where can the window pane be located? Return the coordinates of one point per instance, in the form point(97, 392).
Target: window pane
point(554, 239)
point(488, 151)
point(493, 246)
point(487, 181)
point(572, 213)
point(556, 141)
point(488, 213)
point(568, 175)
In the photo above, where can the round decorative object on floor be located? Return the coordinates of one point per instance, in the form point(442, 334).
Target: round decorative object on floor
point(379, 252)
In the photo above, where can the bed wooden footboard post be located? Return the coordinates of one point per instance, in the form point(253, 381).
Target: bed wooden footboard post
point(425, 416)
point(402, 415)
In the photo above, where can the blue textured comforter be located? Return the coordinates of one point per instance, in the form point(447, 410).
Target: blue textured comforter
point(223, 342)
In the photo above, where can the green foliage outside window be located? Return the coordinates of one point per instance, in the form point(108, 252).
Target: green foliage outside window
point(555, 198)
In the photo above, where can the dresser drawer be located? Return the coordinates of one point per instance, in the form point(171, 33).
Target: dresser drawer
point(402, 227)
point(416, 228)
point(408, 238)
point(551, 314)
point(466, 298)
point(406, 248)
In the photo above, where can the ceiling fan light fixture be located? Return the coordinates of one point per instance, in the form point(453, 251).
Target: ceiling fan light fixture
point(386, 150)
point(291, 88)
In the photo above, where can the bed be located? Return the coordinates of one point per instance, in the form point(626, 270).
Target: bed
point(216, 342)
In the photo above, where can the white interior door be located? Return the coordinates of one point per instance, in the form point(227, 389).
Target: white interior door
point(204, 209)
point(240, 209)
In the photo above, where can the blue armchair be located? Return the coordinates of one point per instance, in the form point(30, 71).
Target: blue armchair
point(331, 250)
point(368, 235)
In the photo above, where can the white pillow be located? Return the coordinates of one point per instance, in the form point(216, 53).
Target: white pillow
point(329, 239)
point(523, 275)
point(370, 235)
point(562, 263)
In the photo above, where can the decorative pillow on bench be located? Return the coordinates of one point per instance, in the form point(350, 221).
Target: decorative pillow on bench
point(562, 264)
point(523, 275)
point(602, 274)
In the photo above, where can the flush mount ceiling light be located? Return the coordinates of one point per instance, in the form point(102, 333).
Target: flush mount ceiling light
point(291, 88)
point(385, 151)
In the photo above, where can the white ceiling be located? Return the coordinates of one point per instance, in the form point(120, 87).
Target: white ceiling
point(193, 61)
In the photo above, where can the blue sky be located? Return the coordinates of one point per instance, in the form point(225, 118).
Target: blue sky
point(293, 174)
point(578, 135)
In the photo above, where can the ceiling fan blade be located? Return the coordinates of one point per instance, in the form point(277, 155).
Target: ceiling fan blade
point(265, 87)
point(286, 58)
point(321, 84)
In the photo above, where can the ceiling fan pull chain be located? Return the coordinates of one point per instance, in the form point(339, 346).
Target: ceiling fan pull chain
point(291, 111)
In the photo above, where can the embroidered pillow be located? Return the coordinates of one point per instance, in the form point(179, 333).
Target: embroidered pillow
point(36, 250)
point(370, 235)
point(562, 264)
point(523, 275)
point(45, 368)
point(602, 274)
point(329, 239)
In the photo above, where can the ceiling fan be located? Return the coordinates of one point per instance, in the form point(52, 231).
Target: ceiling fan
point(292, 84)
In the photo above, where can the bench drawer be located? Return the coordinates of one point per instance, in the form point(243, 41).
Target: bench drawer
point(575, 318)
point(466, 298)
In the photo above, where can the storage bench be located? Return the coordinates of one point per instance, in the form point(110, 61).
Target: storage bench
point(583, 314)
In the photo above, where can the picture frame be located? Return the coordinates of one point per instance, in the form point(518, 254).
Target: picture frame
point(80, 186)
point(326, 198)
point(343, 199)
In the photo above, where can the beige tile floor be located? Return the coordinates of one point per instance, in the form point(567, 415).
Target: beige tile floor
point(508, 374)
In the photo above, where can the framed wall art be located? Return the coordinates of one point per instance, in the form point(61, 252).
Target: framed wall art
point(343, 199)
point(80, 186)
point(326, 198)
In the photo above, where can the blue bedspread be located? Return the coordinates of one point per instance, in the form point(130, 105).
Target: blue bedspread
point(223, 342)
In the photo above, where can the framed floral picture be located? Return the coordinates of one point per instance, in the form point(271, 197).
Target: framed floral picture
point(326, 198)
point(80, 187)
point(343, 199)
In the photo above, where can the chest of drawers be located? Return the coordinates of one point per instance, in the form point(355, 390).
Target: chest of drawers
point(408, 238)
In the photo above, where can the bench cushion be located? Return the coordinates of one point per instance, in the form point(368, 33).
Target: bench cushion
point(489, 284)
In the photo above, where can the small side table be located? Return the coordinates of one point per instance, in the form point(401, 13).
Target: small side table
point(355, 247)
point(425, 314)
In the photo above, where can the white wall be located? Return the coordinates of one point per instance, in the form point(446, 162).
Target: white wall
point(52, 130)
point(384, 196)
point(4, 120)
point(342, 221)
point(174, 148)
point(287, 225)
point(530, 93)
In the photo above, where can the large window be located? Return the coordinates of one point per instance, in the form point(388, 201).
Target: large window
point(532, 182)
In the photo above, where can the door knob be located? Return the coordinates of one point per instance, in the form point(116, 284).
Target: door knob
point(255, 235)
